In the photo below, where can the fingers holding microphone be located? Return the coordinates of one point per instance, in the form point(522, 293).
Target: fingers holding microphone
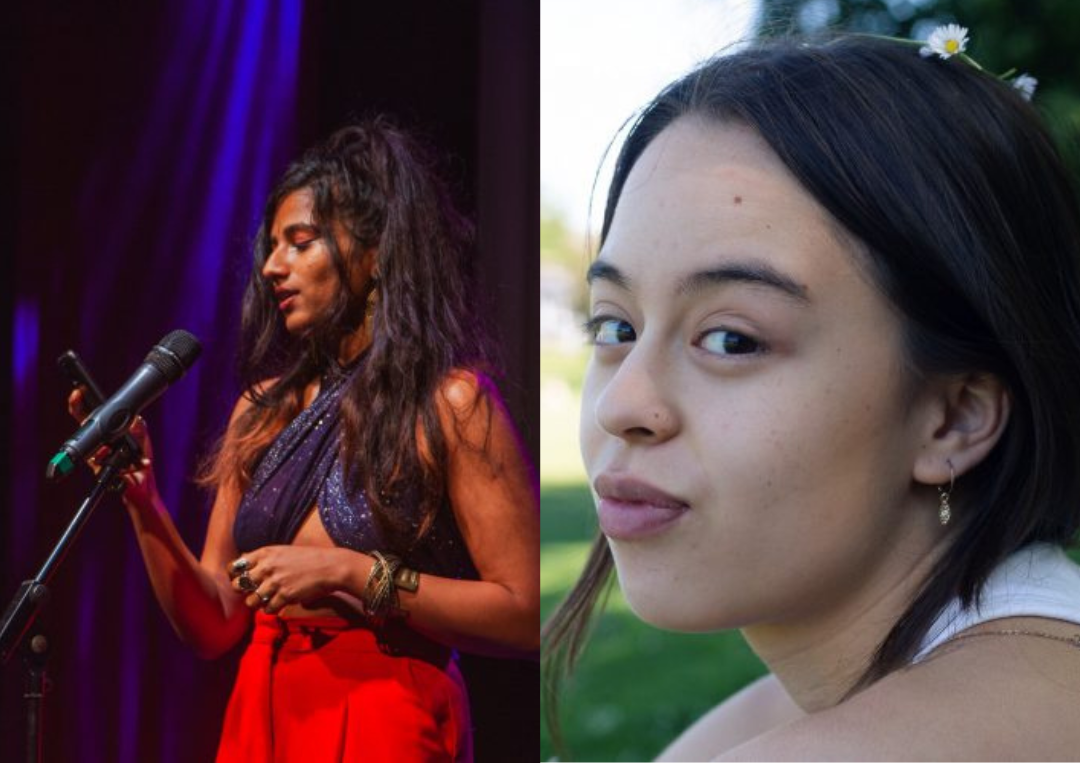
point(76, 405)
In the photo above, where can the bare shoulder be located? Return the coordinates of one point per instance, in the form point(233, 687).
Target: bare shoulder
point(462, 391)
point(472, 412)
point(758, 708)
point(1001, 699)
point(246, 401)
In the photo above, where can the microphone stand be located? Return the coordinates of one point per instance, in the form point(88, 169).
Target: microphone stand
point(32, 596)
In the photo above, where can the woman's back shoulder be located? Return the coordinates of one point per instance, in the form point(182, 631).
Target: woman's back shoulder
point(989, 697)
point(462, 394)
point(759, 707)
point(463, 388)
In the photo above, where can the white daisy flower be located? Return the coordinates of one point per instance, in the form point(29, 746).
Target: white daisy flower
point(1026, 84)
point(946, 41)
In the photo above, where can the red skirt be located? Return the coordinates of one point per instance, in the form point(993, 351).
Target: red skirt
point(316, 689)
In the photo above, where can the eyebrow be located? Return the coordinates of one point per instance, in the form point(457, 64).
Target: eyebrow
point(753, 273)
point(291, 230)
point(602, 271)
point(749, 272)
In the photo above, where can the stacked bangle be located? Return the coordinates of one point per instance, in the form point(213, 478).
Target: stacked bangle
point(380, 595)
point(407, 579)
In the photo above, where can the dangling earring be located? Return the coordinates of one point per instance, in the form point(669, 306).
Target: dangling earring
point(372, 296)
point(944, 510)
point(372, 300)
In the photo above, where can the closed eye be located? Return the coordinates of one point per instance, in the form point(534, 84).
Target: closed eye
point(301, 246)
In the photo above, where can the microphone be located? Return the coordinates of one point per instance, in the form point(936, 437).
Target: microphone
point(166, 363)
point(72, 367)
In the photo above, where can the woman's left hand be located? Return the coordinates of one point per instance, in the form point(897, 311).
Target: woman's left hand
point(275, 576)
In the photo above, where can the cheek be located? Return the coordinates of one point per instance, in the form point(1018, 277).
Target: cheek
point(324, 281)
point(800, 475)
point(806, 483)
point(808, 453)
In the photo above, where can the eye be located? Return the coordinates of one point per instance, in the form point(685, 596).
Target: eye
point(727, 342)
point(606, 330)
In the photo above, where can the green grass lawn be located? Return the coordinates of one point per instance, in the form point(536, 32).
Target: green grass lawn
point(636, 687)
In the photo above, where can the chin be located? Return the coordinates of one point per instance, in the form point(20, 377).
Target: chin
point(297, 326)
point(674, 609)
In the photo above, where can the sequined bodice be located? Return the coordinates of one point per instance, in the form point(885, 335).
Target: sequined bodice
point(302, 468)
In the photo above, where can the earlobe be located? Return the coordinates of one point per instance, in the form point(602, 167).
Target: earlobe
point(967, 417)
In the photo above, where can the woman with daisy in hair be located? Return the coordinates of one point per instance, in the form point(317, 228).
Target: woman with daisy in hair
point(832, 402)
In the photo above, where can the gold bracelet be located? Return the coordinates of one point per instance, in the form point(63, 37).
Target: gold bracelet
point(380, 593)
point(369, 585)
point(407, 579)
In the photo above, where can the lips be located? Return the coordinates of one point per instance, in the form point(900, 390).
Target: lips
point(284, 297)
point(630, 509)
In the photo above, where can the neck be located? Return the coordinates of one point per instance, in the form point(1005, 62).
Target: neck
point(820, 658)
point(355, 343)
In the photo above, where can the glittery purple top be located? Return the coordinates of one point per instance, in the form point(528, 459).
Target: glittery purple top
point(302, 468)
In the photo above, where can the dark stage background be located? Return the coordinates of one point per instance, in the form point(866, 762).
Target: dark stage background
point(139, 141)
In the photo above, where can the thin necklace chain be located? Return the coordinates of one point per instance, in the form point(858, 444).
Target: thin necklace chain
point(1074, 640)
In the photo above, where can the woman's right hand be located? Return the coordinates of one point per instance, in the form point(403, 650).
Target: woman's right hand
point(140, 484)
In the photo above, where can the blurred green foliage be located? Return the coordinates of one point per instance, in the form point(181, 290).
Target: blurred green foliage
point(566, 250)
point(569, 367)
point(558, 244)
point(1040, 37)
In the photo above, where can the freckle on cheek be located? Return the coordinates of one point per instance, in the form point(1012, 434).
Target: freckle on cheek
point(737, 200)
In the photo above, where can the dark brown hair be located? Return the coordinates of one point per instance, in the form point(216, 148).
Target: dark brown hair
point(963, 211)
point(383, 187)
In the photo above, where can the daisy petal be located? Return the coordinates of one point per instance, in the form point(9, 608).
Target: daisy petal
point(948, 40)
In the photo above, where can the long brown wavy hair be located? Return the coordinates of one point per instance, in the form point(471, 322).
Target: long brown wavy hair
point(382, 185)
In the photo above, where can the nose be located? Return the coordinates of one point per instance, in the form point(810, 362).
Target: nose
point(636, 404)
point(275, 266)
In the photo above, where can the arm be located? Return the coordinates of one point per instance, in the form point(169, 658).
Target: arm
point(496, 506)
point(195, 594)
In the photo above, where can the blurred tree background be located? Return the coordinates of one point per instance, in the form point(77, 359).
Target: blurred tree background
point(1040, 37)
point(637, 687)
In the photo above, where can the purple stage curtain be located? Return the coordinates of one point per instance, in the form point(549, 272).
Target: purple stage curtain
point(150, 138)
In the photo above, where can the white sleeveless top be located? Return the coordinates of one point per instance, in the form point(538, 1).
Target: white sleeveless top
point(1039, 580)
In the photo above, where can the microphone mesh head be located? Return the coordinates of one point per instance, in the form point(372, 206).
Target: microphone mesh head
point(174, 354)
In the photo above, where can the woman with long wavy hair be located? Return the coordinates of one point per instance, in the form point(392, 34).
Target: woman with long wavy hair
point(374, 511)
